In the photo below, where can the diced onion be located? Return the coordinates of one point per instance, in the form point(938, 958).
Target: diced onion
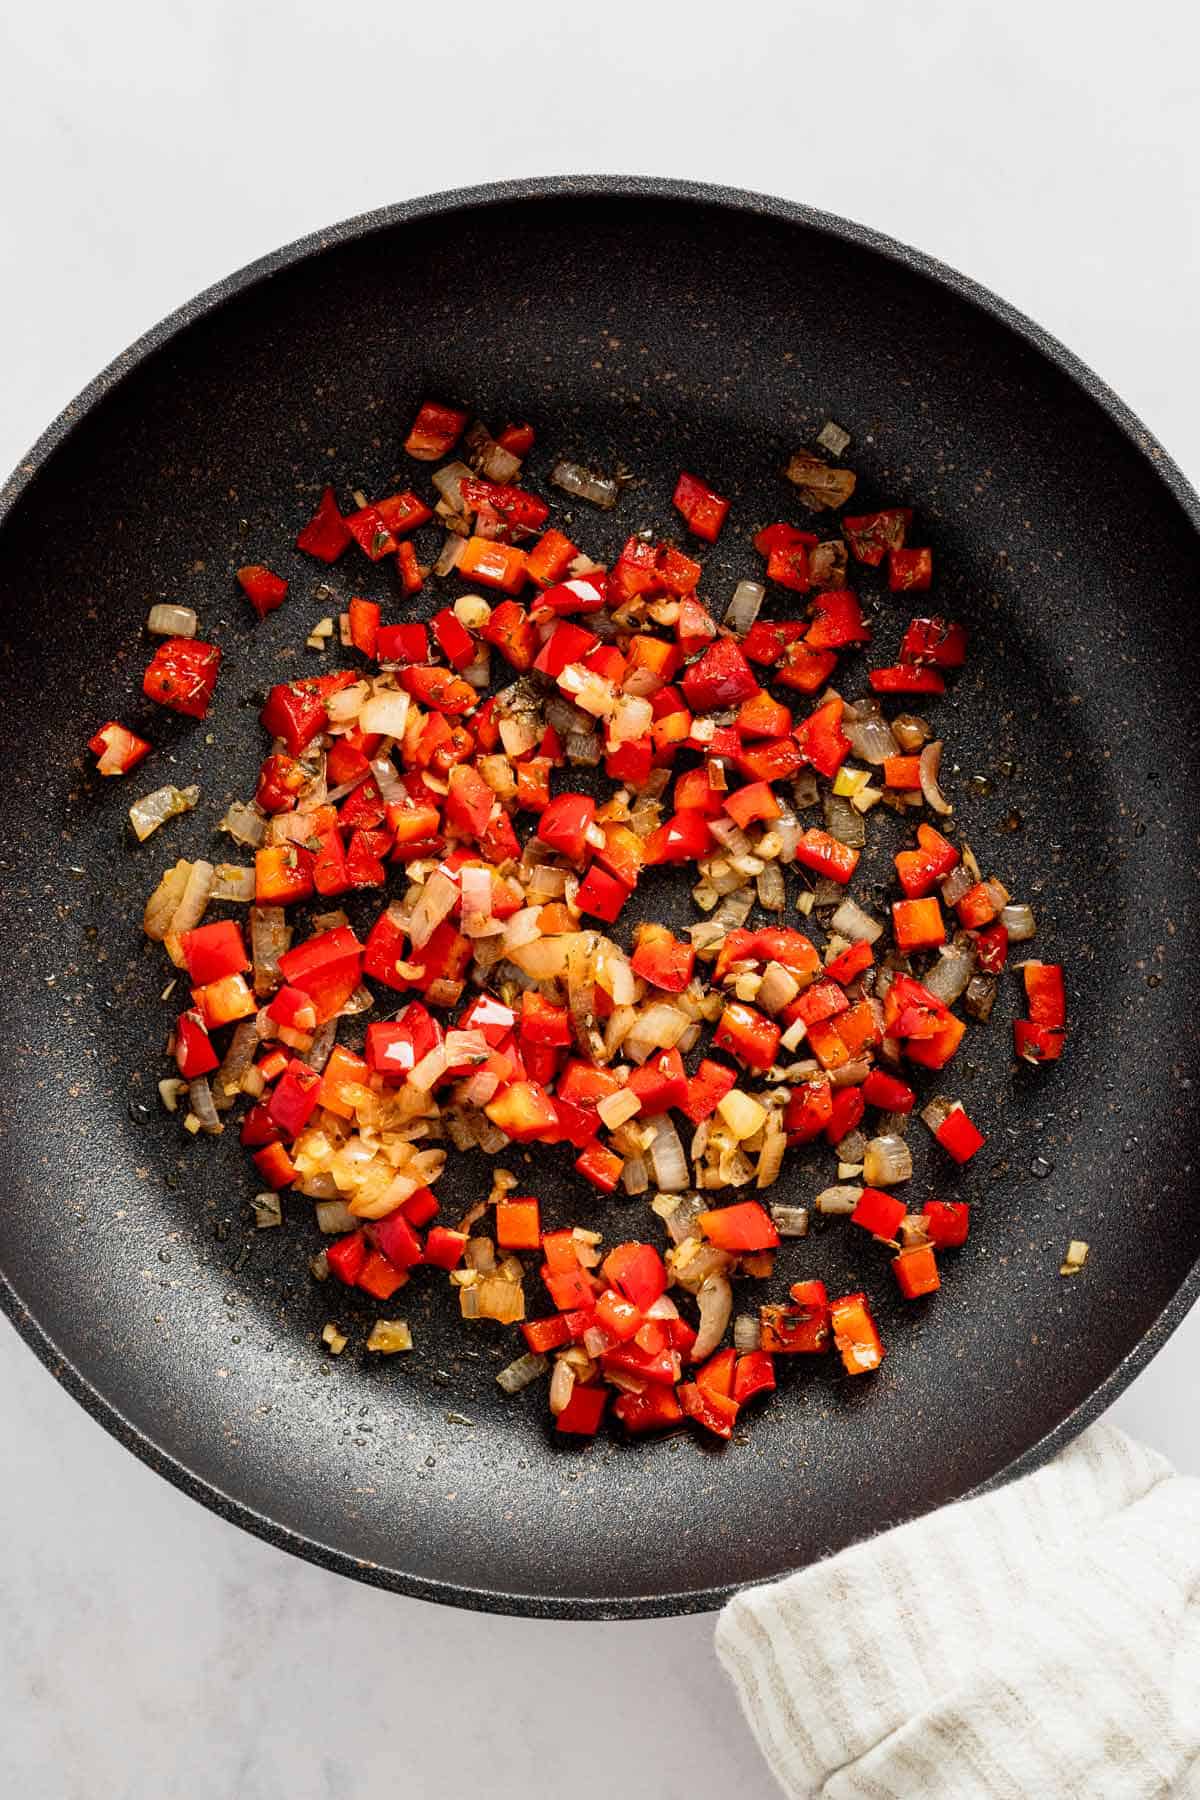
point(715, 1300)
point(869, 732)
point(838, 1199)
point(790, 1221)
point(586, 484)
point(153, 810)
point(931, 762)
point(747, 1332)
point(1018, 920)
point(850, 921)
point(888, 1160)
point(386, 713)
point(437, 901)
point(743, 609)
point(168, 620)
point(950, 974)
point(517, 1375)
point(668, 1165)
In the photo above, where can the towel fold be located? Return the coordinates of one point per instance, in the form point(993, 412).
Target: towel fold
point(1038, 1641)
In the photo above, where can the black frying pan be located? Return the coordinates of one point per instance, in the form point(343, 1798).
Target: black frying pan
point(663, 326)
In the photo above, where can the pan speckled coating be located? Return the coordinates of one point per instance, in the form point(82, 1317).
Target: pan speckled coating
point(659, 325)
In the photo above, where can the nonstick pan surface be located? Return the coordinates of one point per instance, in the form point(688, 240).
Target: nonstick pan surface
point(660, 326)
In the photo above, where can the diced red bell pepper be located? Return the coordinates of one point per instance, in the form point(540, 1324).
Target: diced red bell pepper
point(747, 1034)
point(1045, 994)
point(1037, 1043)
point(837, 621)
point(282, 874)
point(801, 1329)
point(702, 509)
point(808, 1111)
point(706, 1089)
point(638, 1271)
point(888, 1092)
point(363, 808)
point(279, 782)
point(211, 951)
point(871, 535)
point(907, 678)
point(568, 643)
point(762, 716)
point(602, 1167)
point(524, 1111)
point(717, 1374)
point(274, 1165)
point(684, 838)
point(850, 963)
point(182, 675)
point(438, 689)
point(909, 570)
point(786, 549)
point(714, 1411)
point(542, 1022)
point(444, 1248)
point(917, 925)
point(916, 1271)
point(343, 1070)
point(292, 1007)
point(621, 854)
point(403, 644)
point(326, 534)
point(435, 431)
point(662, 959)
point(346, 1256)
point(848, 1109)
point(935, 1052)
point(510, 630)
point(453, 639)
point(493, 564)
point(654, 1410)
point(564, 825)
point(514, 504)
point(823, 1000)
point(294, 1098)
point(935, 640)
point(518, 1224)
point(902, 773)
point(601, 894)
point(878, 1213)
point(118, 749)
point(774, 759)
point(660, 1083)
point(379, 1277)
point(855, 1334)
point(977, 907)
point(719, 678)
point(328, 966)
point(295, 711)
point(958, 1137)
point(412, 573)
point(822, 740)
point(805, 669)
point(745, 1226)
point(947, 1222)
point(549, 560)
point(264, 590)
point(583, 1412)
point(750, 803)
point(991, 949)
point(396, 1046)
point(194, 1054)
point(823, 854)
point(767, 639)
point(755, 1374)
point(221, 1002)
point(395, 1238)
point(631, 762)
point(920, 869)
point(540, 1335)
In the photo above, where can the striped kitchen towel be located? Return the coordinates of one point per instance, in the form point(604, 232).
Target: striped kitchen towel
point(1039, 1641)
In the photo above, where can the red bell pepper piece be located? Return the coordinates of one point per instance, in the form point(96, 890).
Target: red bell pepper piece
point(395, 1238)
point(564, 825)
point(702, 509)
point(719, 678)
point(638, 1271)
point(264, 590)
point(524, 1111)
point(850, 963)
point(871, 535)
point(958, 1137)
point(118, 749)
point(902, 773)
point(801, 1328)
point(761, 716)
point(346, 1256)
point(602, 1167)
point(848, 1109)
point(364, 618)
point(818, 851)
point(739, 1228)
point(493, 564)
point(786, 549)
point(917, 925)
point(439, 689)
point(888, 1092)
point(1037, 1043)
point(280, 780)
point(947, 1222)
point(750, 803)
point(837, 621)
point(379, 1277)
point(295, 711)
point(935, 640)
point(855, 1334)
point(706, 1089)
point(991, 949)
point(518, 1224)
point(221, 1002)
point(662, 959)
point(194, 1054)
point(547, 563)
point(402, 644)
point(977, 907)
point(654, 1410)
point(514, 505)
point(684, 838)
point(747, 1034)
point(453, 639)
point(601, 894)
point(412, 573)
point(1045, 994)
point(909, 570)
point(541, 1334)
point(444, 1248)
point(294, 1098)
point(568, 643)
point(660, 1083)
point(182, 675)
point(808, 1111)
point(755, 1374)
point(282, 874)
point(766, 640)
point(916, 1271)
point(584, 1410)
point(878, 1213)
point(935, 1052)
point(211, 951)
point(821, 739)
point(435, 431)
point(510, 630)
point(907, 678)
point(805, 669)
point(326, 535)
point(714, 1411)
point(920, 869)
point(717, 1374)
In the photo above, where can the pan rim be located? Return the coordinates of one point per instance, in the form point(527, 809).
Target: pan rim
point(627, 187)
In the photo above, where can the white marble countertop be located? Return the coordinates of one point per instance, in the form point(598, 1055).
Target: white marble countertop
point(152, 1651)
